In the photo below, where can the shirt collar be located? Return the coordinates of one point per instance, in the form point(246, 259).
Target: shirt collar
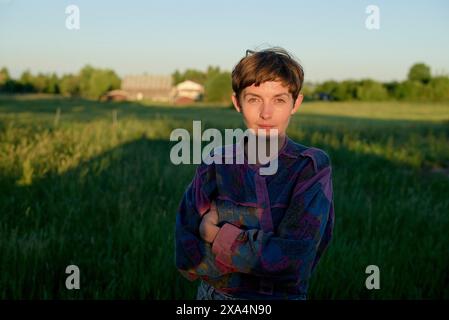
point(286, 150)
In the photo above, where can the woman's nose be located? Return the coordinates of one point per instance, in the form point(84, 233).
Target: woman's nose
point(266, 112)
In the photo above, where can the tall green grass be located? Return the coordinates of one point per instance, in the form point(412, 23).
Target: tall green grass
point(102, 195)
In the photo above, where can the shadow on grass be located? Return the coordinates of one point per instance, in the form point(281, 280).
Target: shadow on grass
point(112, 216)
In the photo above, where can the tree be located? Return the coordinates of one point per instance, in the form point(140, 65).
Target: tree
point(440, 88)
point(218, 88)
point(345, 90)
point(419, 72)
point(370, 90)
point(177, 77)
point(307, 91)
point(212, 72)
point(413, 91)
point(26, 82)
point(4, 76)
point(84, 77)
point(52, 84)
point(38, 82)
point(95, 82)
point(101, 81)
point(392, 88)
point(69, 85)
point(195, 75)
point(326, 89)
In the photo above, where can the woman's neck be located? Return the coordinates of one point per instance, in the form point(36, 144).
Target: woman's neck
point(268, 147)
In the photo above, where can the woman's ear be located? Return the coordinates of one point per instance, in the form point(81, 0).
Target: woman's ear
point(298, 102)
point(235, 102)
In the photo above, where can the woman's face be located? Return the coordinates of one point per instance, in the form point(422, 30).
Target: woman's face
point(267, 106)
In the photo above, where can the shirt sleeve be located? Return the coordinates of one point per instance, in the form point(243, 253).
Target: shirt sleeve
point(193, 256)
point(302, 237)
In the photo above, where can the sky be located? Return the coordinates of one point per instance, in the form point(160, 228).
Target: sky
point(329, 38)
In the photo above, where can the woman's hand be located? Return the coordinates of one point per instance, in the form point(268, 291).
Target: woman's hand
point(208, 226)
point(212, 215)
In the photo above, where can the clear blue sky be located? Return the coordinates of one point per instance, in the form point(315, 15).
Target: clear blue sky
point(159, 36)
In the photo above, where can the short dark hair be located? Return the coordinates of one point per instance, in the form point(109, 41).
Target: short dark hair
point(273, 64)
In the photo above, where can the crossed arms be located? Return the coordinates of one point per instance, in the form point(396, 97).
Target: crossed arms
point(205, 250)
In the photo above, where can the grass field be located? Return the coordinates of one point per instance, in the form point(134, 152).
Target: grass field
point(102, 194)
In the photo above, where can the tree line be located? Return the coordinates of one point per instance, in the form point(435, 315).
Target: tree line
point(92, 83)
point(420, 85)
point(89, 82)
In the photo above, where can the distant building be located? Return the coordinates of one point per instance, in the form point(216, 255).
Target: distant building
point(188, 92)
point(151, 87)
point(115, 95)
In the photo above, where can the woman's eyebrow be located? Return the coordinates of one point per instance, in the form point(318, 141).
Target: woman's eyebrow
point(256, 95)
point(251, 94)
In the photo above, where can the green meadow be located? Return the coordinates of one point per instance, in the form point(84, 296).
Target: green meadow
point(92, 185)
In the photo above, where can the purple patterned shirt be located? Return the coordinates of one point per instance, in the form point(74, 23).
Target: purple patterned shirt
point(274, 229)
